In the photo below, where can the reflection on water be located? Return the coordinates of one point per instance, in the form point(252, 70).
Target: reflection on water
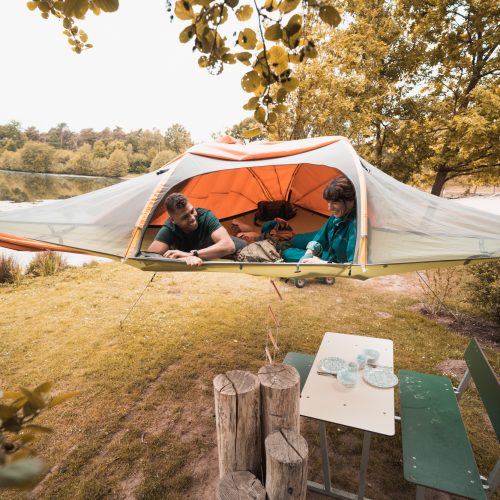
point(22, 186)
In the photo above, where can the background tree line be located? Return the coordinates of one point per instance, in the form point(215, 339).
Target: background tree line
point(110, 153)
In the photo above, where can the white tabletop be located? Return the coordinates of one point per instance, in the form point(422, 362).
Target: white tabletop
point(363, 406)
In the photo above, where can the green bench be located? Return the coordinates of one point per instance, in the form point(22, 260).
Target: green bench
point(436, 450)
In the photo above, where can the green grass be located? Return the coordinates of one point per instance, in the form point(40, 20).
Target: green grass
point(144, 422)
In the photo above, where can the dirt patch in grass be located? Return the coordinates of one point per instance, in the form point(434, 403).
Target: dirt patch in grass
point(485, 331)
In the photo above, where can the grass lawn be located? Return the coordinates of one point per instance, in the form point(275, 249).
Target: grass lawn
point(143, 426)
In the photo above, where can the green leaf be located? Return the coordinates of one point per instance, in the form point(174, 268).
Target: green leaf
point(244, 57)
point(270, 5)
point(183, 10)
point(46, 386)
point(288, 5)
point(187, 33)
point(330, 15)
point(107, 5)
point(290, 84)
point(249, 134)
point(244, 13)
point(61, 398)
point(31, 5)
point(7, 412)
point(247, 39)
point(252, 103)
point(12, 395)
point(250, 81)
point(273, 33)
point(272, 117)
point(23, 472)
point(281, 95)
point(232, 3)
point(277, 57)
point(38, 428)
point(281, 108)
point(229, 58)
point(260, 114)
point(34, 399)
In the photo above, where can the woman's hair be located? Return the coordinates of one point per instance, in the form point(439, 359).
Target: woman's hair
point(339, 189)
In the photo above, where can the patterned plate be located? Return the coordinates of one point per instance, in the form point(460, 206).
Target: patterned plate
point(380, 377)
point(332, 365)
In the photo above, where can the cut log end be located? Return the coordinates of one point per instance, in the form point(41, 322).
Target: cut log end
point(279, 376)
point(241, 485)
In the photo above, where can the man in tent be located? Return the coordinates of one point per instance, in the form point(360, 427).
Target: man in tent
point(192, 234)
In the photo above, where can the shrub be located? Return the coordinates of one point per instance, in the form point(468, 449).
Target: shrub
point(10, 161)
point(37, 157)
point(46, 264)
point(162, 158)
point(81, 162)
point(118, 164)
point(484, 289)
point(439, 287)
point(10, 270)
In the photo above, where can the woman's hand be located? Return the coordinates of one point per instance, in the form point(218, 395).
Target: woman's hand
point(313, 260)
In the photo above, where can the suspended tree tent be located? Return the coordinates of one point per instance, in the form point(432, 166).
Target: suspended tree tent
point(399, 228)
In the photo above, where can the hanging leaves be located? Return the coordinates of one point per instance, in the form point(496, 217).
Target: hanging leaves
point(272, 47)
point(247, 39)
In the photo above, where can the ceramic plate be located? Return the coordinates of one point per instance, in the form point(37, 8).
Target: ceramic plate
point(380, 377)
point(332, 365)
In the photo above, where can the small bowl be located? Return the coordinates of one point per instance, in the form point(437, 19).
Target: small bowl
point(372, 356)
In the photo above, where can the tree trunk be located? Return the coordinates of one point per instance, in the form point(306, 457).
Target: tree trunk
point(286, 466)
point(439, 182)
point(237, 418)
point(280, 397)
point(241, 485)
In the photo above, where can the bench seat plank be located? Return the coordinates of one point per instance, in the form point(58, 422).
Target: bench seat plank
point(436, 450)
point(303, 363)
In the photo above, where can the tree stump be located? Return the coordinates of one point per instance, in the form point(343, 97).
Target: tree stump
point(240, 485)
point(280, 398)
point(237, 416)
point(286, 465)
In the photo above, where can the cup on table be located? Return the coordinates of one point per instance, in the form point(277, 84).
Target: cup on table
point(361, 360)
point(372, 356)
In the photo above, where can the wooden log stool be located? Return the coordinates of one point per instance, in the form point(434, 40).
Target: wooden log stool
point(240, 485)
point(286, 465)
point(280, 398)
point(237, 417)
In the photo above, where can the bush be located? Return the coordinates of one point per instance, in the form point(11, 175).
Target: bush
point(10, 161)
point(10, 270)
point(81, 163)
point(162, 158)
point(37, 157)
point(46, 264)
point(484, 289)
point(118, 164)
point(441, 290)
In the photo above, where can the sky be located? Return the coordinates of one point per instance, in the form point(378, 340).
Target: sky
point(138, 75)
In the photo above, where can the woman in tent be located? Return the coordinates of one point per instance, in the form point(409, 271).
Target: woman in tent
point(337, 237)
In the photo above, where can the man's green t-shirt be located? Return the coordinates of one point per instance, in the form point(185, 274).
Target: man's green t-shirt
point(201, 238)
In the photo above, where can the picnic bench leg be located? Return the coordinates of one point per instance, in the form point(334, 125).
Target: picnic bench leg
point(364, 464)
point(464, 383)
point(324, 456)
point(420, 492)
point(494, 479)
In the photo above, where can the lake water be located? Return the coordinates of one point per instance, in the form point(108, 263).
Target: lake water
point(22, 189)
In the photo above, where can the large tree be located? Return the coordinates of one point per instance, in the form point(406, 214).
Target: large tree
point(414, 88)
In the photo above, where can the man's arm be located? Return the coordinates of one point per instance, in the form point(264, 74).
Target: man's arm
point(157, 247)
point(223, 245)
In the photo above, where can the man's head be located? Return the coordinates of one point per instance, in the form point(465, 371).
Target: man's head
point(181, 212)
point(340, 195)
